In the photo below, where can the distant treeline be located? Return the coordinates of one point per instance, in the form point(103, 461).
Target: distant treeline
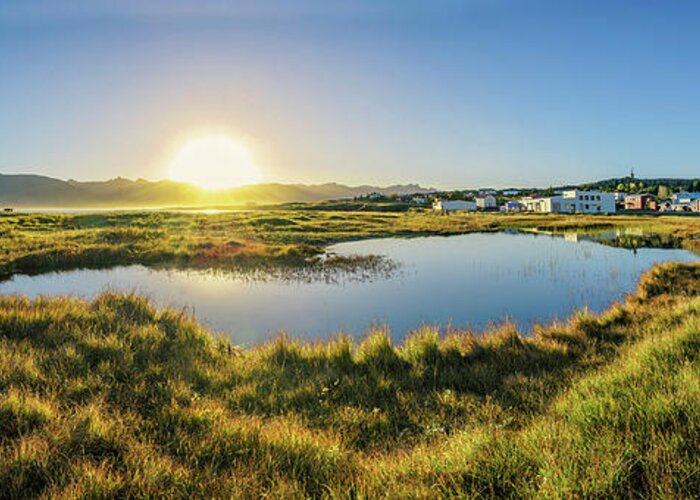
point(662, 187)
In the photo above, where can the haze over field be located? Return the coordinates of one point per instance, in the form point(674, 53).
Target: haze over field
point(35, 191)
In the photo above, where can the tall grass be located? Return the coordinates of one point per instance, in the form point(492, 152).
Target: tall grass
point(112, 397)
point(34, 243)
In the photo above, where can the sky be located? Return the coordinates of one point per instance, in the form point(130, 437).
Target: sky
point(445, 93)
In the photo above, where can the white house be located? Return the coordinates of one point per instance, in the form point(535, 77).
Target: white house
point(544, 204)
point(684, 201)
point(685, 197)
point(486, 201)
point(588, 202)
point(454, 205)
point(574, 201)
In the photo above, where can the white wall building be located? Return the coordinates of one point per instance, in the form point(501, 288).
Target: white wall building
point(588, 202)
point(486, 201)
point(574, 201)
point(454, 205)
point(545, 204)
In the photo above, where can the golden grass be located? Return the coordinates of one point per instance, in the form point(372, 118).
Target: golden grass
point(113, 398)
point(33, 243)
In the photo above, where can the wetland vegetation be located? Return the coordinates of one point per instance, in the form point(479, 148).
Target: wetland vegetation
point(113, 397)
point(34, 243)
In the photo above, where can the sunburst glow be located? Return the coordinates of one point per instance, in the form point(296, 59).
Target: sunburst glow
point(214, 162)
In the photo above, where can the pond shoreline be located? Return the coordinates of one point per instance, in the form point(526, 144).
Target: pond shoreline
point(399, 283)
point(115, 381)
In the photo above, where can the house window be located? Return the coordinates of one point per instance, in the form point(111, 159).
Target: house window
point(586, 206)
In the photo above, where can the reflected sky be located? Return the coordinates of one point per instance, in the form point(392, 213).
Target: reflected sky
point(466, 281)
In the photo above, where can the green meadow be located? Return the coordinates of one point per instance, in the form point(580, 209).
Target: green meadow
point(113, 397)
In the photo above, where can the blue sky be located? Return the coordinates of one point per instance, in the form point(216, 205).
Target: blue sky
point(445, 93)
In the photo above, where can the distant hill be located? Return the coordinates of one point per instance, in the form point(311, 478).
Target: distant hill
point(650, 184)
point(36, 191)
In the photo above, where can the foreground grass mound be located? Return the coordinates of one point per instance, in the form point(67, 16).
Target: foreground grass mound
point(115, 398)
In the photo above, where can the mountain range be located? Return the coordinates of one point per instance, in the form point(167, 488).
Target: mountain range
point(37, 191)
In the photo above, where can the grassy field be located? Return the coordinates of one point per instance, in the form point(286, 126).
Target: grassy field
point(114, 398)
point(33, 243)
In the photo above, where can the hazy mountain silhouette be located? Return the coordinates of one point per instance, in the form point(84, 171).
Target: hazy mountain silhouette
point(36, 191)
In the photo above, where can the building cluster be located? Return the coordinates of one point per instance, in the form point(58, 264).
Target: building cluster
point(682, 202)
point(575, 202)
point(484, 200)
point(679, 202)
point(570, 202)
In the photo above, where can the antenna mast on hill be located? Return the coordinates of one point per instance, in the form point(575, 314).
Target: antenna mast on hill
point(632, 174)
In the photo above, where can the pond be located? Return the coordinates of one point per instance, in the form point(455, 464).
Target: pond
point(469, 280)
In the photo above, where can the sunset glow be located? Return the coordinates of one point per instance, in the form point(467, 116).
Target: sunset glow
point(214, 162)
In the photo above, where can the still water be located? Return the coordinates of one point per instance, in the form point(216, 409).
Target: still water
point(466, 281)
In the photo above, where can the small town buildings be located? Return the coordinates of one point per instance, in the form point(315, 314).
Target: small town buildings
point(454, 206)
point(419, 200)
point(542, 204)
point(684, 201)
point(511, 206)
point(511, 192)
point(486, 201)
point(644, 201)
point(588, 202)
point(573, 201)
point(685, 197)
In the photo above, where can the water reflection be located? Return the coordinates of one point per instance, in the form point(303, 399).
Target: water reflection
point(466, 281)
point(329, 269)
point(630, 238)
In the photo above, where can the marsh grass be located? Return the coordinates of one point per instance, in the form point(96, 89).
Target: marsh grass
point(288, 237)
point(113, 397)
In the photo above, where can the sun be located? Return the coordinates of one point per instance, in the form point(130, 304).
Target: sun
point(214, 162)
